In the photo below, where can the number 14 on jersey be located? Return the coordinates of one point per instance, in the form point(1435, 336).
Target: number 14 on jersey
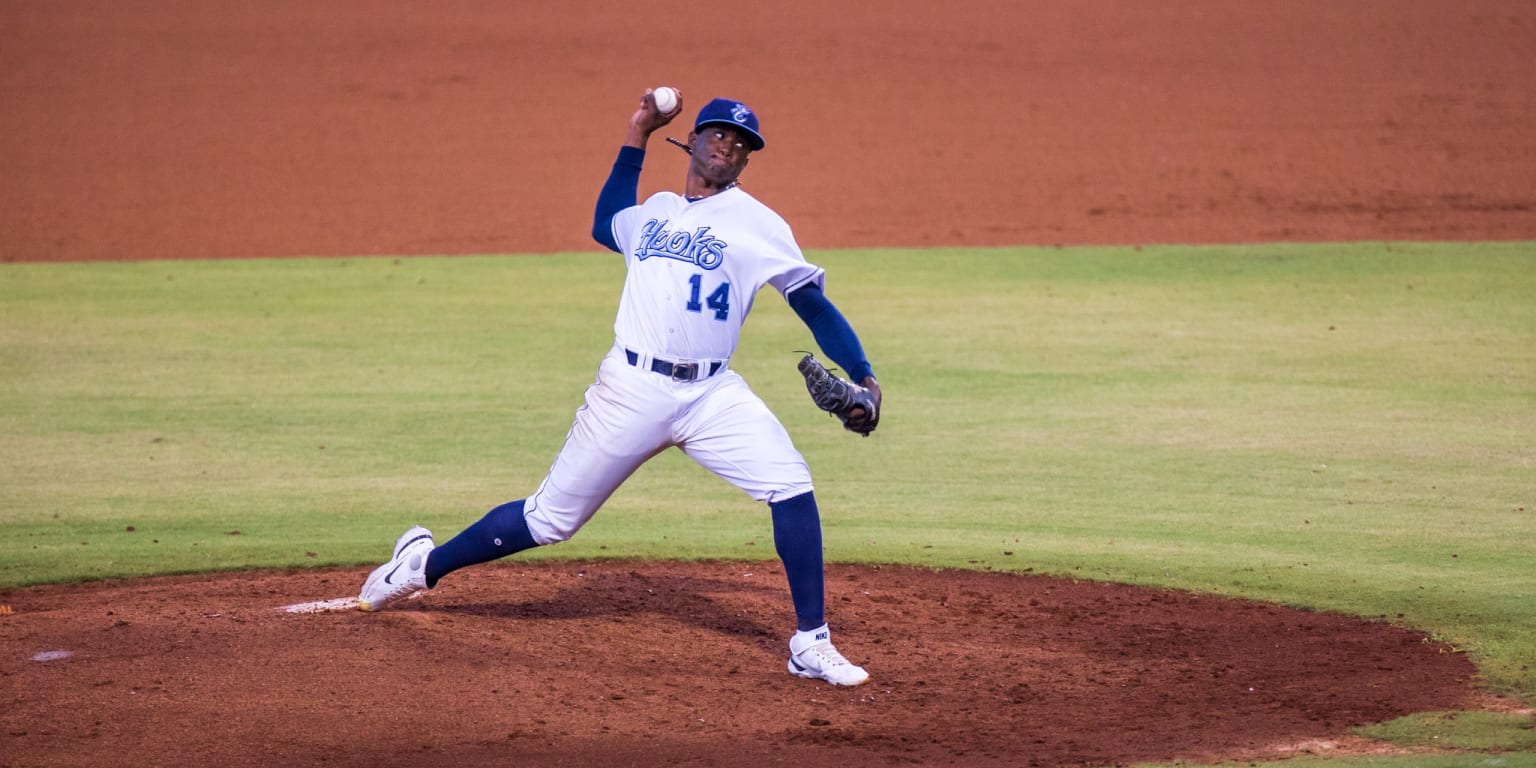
point(719, 299)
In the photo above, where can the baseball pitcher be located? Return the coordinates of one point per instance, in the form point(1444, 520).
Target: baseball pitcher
point(694, 261)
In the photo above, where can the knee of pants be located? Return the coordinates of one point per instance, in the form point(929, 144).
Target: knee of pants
point(549, 526)
point(787, 492)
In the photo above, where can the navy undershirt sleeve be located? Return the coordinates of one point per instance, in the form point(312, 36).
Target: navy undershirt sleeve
point(833, 333)
point(620, 191)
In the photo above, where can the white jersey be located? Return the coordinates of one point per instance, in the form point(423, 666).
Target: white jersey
point(695, 268)
point(693, 271)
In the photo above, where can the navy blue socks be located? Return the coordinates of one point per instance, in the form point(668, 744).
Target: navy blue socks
point(501, 532)
point(797, 537)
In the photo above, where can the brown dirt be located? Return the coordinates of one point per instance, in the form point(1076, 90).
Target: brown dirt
point(158, 129)
point(643, 663)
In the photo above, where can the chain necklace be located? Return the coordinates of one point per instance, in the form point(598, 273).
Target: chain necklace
point(695, 199)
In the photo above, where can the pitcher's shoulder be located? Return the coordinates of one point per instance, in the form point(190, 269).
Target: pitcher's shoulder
point(665, 198)
point(743, 201)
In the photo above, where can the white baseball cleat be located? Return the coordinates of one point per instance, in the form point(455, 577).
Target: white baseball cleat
point(811, 655)
point(404, 575)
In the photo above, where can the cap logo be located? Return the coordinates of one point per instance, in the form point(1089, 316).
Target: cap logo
point(731, 112)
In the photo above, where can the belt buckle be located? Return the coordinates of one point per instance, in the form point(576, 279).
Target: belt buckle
point(685, 372)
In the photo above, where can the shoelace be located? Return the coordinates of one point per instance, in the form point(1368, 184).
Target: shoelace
point(828, 656)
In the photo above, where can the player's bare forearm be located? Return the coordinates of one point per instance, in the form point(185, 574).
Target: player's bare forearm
point(870, 384)
point(647, 119)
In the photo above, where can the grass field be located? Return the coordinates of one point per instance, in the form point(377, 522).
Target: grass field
point(1344, 427)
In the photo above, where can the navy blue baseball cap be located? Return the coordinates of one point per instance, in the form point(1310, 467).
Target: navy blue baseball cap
point(731, 112)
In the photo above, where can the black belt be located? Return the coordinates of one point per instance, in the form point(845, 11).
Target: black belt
point(676, 371)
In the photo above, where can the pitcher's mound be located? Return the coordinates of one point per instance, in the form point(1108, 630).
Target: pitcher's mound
point(615, 663)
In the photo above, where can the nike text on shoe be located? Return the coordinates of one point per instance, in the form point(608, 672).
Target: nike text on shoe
point(404, 575)
point(811, 655)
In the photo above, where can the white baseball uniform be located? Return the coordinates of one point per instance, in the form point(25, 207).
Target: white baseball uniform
point(694, 269)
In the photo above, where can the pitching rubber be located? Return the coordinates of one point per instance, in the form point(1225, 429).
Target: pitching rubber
point(322, 606)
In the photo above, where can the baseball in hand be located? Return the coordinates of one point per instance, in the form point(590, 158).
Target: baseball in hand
point(666, 100)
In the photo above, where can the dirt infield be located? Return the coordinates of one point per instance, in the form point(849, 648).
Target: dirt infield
point(159, 129)
point(138, 129)
point(637, 663)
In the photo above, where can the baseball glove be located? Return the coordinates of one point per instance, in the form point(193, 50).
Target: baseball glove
point(855, 406)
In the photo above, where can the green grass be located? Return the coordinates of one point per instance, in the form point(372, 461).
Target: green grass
point(1415, 760)
point(1477, 731)
point(1342, 427)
